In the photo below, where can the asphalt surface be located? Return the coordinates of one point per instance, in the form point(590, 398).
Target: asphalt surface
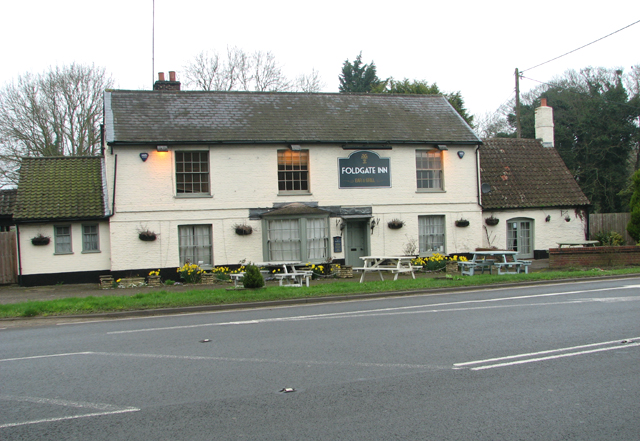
point(548, 362)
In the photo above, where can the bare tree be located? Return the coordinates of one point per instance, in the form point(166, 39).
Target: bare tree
point(257, 71)
point(56, 113)
point(311, 83)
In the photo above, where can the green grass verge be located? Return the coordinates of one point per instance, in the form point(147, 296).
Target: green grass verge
point(199, 297)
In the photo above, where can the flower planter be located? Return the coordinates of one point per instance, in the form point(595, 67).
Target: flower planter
point(452, 267)
point(154, 281)
point(243, 230)
point(40, 240)
point(462, 223)
point(395, 224)
point(342, 271)
point(147, 236)
point(207, 279)
point(132, 282)
point(491, 221)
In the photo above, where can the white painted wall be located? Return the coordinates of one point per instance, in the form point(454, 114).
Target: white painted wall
point(244, 177)
point(41, 259)
point(546, 234)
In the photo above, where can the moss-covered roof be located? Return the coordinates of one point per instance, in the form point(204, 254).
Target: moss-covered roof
point(523, 173)
point(7, 202)
point(60, 188)
point(252, 117)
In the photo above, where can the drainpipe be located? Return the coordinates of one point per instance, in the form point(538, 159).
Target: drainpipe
point(479, 183)
point(19, 256)
point(115, 174)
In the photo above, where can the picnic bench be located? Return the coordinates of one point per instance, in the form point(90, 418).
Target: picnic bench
point(290, 276)
point(504, 261)
point(392, 264)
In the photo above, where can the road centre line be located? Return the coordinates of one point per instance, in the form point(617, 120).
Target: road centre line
point(630, 342)
point(107, 409)
point(240, 360)
point(388, 311)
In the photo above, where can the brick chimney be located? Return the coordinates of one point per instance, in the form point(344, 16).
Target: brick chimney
point(172, 84)
point(544, 123)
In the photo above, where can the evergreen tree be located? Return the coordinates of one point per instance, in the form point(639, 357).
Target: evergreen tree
point(633, 227)
point(358, 77)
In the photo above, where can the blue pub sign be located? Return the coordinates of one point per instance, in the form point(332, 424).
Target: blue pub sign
point(364, 169)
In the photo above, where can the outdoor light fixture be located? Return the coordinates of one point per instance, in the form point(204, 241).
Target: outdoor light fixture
point(144, 156)
point(460, 154)
point(162, 148)
point(442, 147)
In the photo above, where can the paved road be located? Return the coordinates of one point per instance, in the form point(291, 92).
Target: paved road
point(551, 362)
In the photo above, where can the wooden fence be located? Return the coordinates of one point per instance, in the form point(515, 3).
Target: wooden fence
point(606, 222)
point(8, 258)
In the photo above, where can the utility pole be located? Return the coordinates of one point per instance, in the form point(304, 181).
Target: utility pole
point(518, 128)
point(153, 44)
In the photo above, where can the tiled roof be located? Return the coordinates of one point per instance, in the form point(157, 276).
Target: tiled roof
point(7, 201)
point(252, 117)
point(60, 188)
point(524, 174)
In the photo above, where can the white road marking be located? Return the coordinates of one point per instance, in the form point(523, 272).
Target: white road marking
point(612, 345)
point(107, 409)
point(398, 310)
point(240, 360)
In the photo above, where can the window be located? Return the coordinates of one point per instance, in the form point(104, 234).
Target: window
point(293, 170)
point(192, 172)
point(431, 234)
point(90, 242)
point(429, 169)
point(195, 244)
point(62, 239)
point(297, 240)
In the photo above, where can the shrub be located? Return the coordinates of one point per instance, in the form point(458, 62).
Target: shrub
point(611, 238)
point(252, 277)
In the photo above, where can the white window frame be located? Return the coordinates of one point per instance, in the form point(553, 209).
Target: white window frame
point(296, 239)
point(291, 181)
point(195, 244)
point(203, 183)
point(63, 243)
point(91, 235)
point(429, 170)
point(432, 236)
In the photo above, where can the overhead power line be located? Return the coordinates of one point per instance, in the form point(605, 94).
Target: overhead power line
point(581, 47)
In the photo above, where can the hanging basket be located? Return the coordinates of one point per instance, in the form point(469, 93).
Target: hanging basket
point(462, 223)
point(492, 221)
point(395, 224)
point(147, 236)
point(40, 240)
point(243, 230)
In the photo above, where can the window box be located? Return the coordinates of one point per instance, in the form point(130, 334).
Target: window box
point(40, 240)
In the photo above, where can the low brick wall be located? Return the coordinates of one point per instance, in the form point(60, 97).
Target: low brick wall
point(594, 257)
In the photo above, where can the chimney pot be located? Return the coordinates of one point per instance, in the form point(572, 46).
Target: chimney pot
point(160, 76)
point(543, 102)
point(172, 75)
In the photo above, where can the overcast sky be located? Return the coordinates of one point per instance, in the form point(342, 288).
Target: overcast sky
point(467, 46)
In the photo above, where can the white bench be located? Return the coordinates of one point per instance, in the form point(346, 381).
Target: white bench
point(392, 264)
point(516, 267)
point(295, 278)
point(237, 277)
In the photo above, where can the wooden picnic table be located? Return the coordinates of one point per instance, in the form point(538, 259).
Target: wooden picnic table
point(392, 264)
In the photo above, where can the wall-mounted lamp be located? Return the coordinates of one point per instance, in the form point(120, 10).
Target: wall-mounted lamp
point(548, 218)
point(162, 148)
point(460, 154)
point(144, 156)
